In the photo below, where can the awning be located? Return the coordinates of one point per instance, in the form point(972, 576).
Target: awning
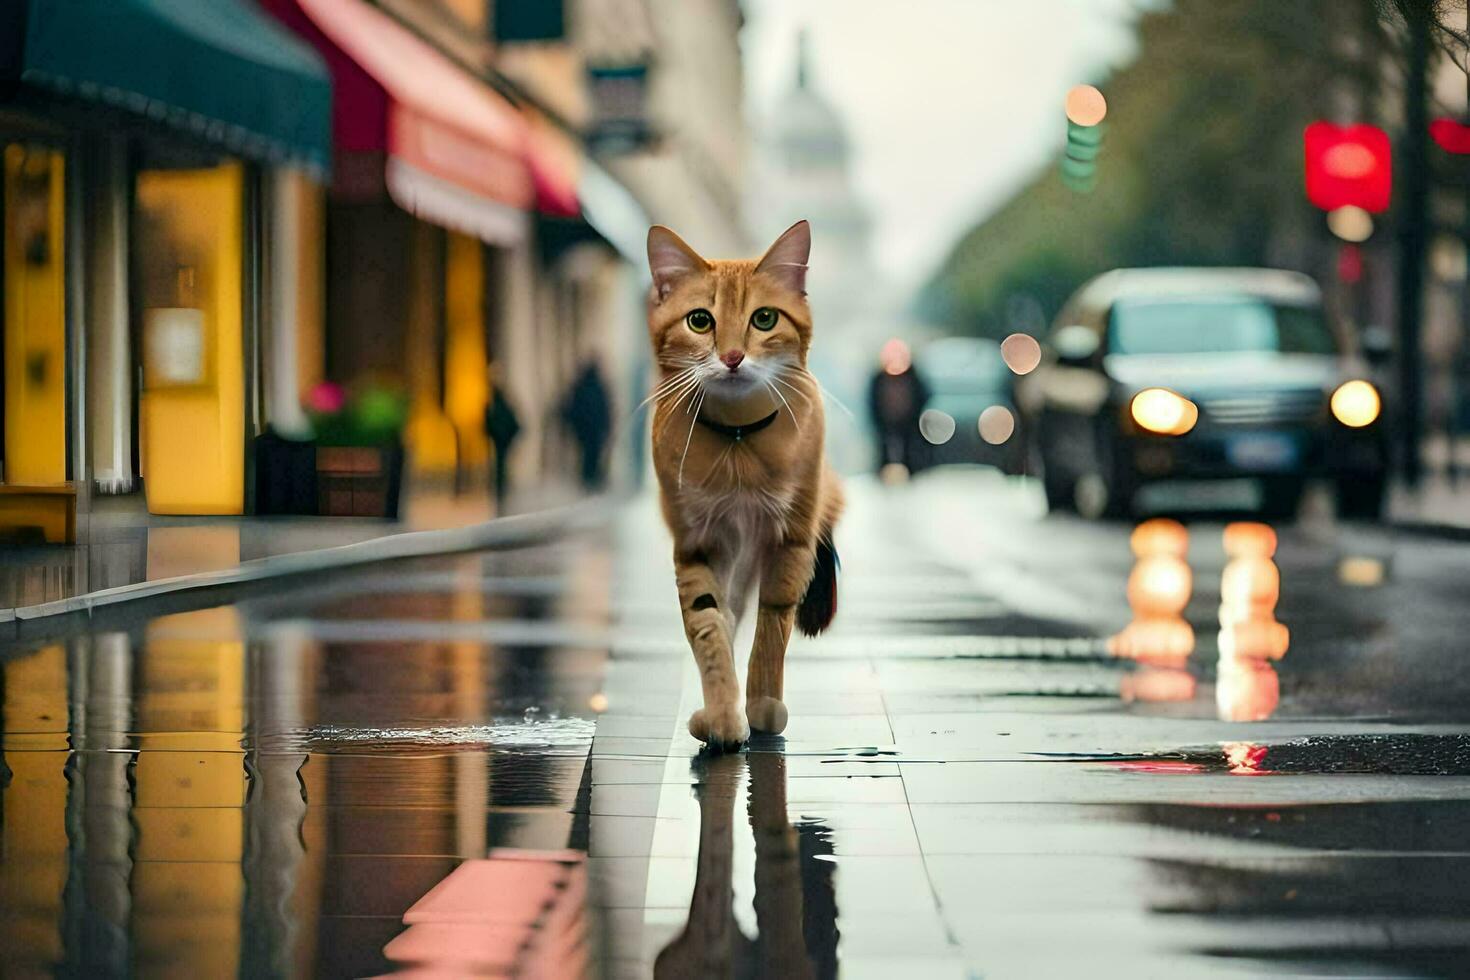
point(220, 69)
point(449, 148)
point(555, 160)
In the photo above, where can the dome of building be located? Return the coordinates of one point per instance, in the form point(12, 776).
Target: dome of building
point(809, 132)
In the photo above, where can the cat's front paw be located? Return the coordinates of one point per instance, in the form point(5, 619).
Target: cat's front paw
point(766, 715)
point(721, 727)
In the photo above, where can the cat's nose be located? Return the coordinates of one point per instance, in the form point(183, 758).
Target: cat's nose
point(732, 358)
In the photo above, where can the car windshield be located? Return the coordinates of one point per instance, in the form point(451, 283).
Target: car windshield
point(1226, 325)
point(961, 366)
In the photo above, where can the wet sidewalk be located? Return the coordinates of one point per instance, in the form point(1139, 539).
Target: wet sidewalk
point(967, 789)
point(122, 547)
point(477, 764)
point(370, 770)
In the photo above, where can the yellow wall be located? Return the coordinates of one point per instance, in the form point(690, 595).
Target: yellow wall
point(466, 387)
point(311, 328)
point(193, 436)
point(428, 435)
point(35, 319)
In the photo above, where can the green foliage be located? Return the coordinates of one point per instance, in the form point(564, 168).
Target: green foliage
point(1202, 163)
point(373, 416)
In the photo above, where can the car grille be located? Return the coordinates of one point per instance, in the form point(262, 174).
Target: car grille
point(1265, 408)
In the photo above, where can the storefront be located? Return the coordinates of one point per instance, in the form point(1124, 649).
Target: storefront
point(142, 141)
point(431, 172)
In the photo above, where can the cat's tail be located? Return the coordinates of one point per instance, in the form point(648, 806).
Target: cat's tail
point(819, 604)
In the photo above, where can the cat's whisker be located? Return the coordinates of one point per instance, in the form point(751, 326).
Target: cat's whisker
point(667, 387)
point(822, 390)
point(777, 392)
point(792, 388)
point(687, 390)
point(690, 406)
point(688, 439)
point(684, 392)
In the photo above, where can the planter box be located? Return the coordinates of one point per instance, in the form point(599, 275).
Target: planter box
point(340, 481)
point(358, 481)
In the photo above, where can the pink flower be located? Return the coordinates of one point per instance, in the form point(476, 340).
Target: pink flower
point(326, 398)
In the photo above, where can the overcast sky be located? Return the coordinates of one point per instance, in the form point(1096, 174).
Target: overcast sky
point(951, 104)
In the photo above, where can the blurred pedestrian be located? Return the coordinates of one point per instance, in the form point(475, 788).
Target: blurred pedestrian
point(897, 397)
point(587, 411)
point(502, 426)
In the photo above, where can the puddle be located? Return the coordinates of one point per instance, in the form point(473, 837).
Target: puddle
point(222, 793)
point(1406, 754)
point(570, 734)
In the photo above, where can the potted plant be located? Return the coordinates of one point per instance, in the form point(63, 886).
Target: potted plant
point(359, 449)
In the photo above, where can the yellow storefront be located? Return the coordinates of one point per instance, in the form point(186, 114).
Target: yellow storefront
point(132, 353)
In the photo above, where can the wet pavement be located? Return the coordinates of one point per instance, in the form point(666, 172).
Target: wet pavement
point(1020, 752)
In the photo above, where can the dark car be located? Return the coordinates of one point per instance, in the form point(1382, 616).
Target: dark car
point(968, 378)
point(1160, 375)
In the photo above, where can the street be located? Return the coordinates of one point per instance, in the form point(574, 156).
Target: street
point(971, 783)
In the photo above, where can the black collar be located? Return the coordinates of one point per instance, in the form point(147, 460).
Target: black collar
point(739, 432)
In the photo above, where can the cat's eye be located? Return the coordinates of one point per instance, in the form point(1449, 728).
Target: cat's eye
point(700, 321)
point(764, 318)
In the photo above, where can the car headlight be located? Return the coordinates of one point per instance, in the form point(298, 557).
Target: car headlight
point(1356, 404)
point(1163, 411)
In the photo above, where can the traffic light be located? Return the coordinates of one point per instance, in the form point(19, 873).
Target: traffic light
point(1079, 165)
point(1086, 109)
point(1450, 135)
point(1348, 166)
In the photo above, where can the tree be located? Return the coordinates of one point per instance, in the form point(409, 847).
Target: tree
point(1203, 164)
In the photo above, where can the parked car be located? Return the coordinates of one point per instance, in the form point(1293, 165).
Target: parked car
point(967, 377)
point(1193, 374)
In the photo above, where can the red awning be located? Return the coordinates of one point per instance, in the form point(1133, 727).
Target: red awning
point(555, 161)
point(454, 151)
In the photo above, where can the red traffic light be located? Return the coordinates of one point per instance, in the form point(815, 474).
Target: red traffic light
point(1450, 136)
point(1348, 165)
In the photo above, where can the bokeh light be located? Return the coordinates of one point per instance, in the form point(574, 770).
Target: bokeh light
point(1021, 353)
point(1249, 538)
point(1250, 583)
point(1158, 590)
point(1163, 411)
point(1157, 684)
point(935, 426)
point(1086, 105)
point(1350, 223)
point(1159, 586)
point(1246, 690)
point(1159, 536)
point(896, 356)
point(997, 424)
point(1356, 404)
point(1361, 571)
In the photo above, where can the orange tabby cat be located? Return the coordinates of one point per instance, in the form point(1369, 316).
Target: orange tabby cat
point(737, 446)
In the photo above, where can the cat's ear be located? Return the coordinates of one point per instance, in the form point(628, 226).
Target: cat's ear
point(785, 261)
point(670, 259)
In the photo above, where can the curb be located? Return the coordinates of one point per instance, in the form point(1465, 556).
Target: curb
point(501, 532)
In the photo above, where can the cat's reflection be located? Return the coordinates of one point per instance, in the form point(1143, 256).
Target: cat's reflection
point(795, 910)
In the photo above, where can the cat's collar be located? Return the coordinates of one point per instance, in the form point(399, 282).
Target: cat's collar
point(738, 432)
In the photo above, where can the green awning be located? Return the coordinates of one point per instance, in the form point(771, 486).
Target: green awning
point(218, 68)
